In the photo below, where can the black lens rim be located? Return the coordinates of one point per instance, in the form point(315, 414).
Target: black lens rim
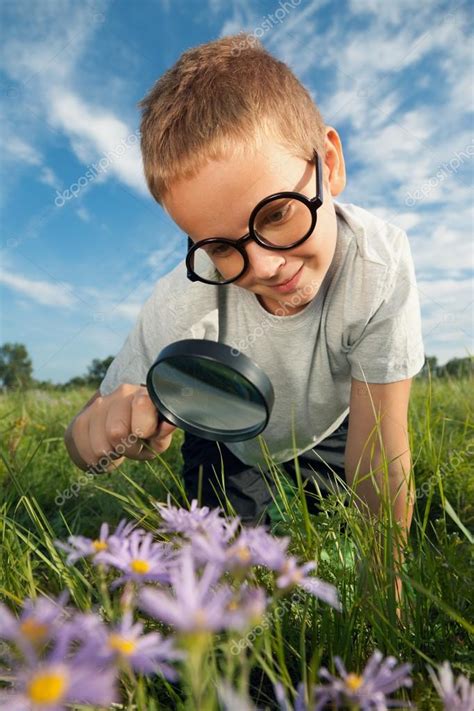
point(198, 245)
point(279, 196)
point(253, 234)
point(222, 354)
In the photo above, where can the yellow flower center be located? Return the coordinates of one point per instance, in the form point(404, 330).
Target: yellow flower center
point(232, 605)
point(244, 554)
point(140, 566)
point(99, 546)
point(122, 644)
point(200, 618)
point(32, 629)
point(241, 551)
point(47, 687)
point(295, 575)
point(353, 682)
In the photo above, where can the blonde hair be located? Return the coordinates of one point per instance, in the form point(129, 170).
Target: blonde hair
point(218, 98)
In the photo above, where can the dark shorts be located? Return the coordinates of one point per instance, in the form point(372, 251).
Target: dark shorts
point(247, 487)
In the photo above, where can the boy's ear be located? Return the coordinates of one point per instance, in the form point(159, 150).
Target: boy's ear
point(334, 162)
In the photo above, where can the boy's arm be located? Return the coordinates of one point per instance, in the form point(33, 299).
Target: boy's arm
point(387, 405)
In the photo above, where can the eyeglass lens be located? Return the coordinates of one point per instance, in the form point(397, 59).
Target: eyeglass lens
point(279, 223)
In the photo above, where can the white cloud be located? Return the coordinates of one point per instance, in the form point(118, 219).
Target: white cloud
point(43, 57)
point(126, 310)
point(442, 250)
point(165, 258)
point(405, 220)
point(48, 48)
point(17, 149)
point(96, 133)
point(393, 12)
point(446, 306)
point(48, 177)
point(83, 214)
point(41, 292)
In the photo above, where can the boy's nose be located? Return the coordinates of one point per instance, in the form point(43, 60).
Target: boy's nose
point(264, 263)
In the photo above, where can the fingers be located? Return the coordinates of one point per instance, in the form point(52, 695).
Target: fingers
point(140, 451)
point(144, 417)
point(157, 434)
point(164, 429)
point(122, 424)
point(158, 445)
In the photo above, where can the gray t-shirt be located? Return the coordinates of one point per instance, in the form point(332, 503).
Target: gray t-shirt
point(364, 323)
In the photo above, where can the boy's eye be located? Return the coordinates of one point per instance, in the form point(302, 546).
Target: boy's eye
point(276, 215)
point(220, 250)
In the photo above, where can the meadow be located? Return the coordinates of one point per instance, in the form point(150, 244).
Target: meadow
point(281, 638)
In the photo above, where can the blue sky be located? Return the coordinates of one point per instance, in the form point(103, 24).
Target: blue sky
point(394, 79)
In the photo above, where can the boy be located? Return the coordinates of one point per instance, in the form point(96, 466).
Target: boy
point(321, 295)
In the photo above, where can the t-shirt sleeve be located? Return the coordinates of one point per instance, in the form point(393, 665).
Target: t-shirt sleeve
point(137, 354)
point(176, 310)
point(390, 347)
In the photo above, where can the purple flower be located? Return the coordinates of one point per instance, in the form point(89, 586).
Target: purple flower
point(456, 694)
point(38, 622)
point(290, 574)
point(145, 653)
point(140, 558)
point(264, 548)
point(231, 700)
point(379, 678)
point(198, 520)
point(246, 607)
point(253, 546)
point(195, 603)
point(51, 683)
point(259, 547)
point(80, 547)
point(300, 704)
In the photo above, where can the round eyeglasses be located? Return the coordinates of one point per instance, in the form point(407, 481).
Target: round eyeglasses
point(280, 221)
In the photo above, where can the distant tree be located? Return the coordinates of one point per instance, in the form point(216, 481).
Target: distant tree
point(97, 370)
point(77, 382)
point(15, 366)
point(44, 385)
point(458, 367)
point(95, 374)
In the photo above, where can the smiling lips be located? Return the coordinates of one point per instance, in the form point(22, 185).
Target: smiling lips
point(282, 283)
point(290, 284)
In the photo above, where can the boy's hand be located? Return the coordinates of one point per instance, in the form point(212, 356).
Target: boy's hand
point(112, 427)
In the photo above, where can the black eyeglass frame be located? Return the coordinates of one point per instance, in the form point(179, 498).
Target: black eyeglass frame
point(312, 203)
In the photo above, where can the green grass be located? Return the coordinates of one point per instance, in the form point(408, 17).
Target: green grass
point(434, 625)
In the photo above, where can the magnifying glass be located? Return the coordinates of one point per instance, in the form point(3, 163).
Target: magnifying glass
point(200, 386)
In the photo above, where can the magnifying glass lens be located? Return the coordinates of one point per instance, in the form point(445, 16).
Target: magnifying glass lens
point(208, 395)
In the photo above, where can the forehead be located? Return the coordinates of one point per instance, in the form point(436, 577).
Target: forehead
point(219, 199)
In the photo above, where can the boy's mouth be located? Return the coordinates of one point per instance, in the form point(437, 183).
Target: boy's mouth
point(290, 283)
